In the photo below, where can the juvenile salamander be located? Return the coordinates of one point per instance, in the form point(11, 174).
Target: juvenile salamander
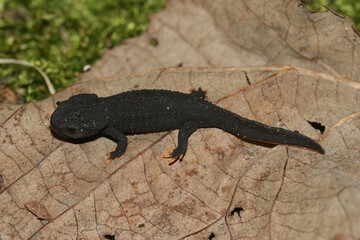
point(148, 111)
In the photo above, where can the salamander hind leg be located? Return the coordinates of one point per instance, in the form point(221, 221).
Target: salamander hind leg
point(176, 154)
point(183, 137)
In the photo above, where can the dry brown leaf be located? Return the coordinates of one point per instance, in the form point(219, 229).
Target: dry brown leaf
point(202, 33)
point(284, 192)
point(224, 188)
point(6, 110)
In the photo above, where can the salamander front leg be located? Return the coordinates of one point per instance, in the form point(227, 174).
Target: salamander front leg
point(121, 140)
point(183, 137)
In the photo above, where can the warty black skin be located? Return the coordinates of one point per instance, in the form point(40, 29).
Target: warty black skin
point(148, 111)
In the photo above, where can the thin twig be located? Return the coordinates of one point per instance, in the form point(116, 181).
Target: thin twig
point(49, 85)
point(337, 14)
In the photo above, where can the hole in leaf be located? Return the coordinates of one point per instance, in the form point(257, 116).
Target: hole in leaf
point(154, 42)
point(212, 235)
point(317, 126)
point(236, 210)
point(110, 237)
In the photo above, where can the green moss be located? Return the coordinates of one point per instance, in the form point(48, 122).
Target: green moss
point(62, 36)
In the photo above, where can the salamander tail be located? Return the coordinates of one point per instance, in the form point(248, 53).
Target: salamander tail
point(252, 130)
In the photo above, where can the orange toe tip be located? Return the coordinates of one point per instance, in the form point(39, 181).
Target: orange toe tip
point(116, 159)
point(108, 154)
point(107, 161)
point(170, 150)
point(181, 156)
point(172, 161)
point(167, 156)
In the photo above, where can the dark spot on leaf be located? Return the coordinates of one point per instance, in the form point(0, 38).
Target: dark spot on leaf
point(317, 126)
point(236, 210)
point(212, 235)
point(180, 65)
point(136, 86)
point(2, 184)
point(141, 225)
point(247, 78)
point(154, 42)
point(108, 236)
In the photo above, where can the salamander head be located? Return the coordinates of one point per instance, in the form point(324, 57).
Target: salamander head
point(80, 116)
